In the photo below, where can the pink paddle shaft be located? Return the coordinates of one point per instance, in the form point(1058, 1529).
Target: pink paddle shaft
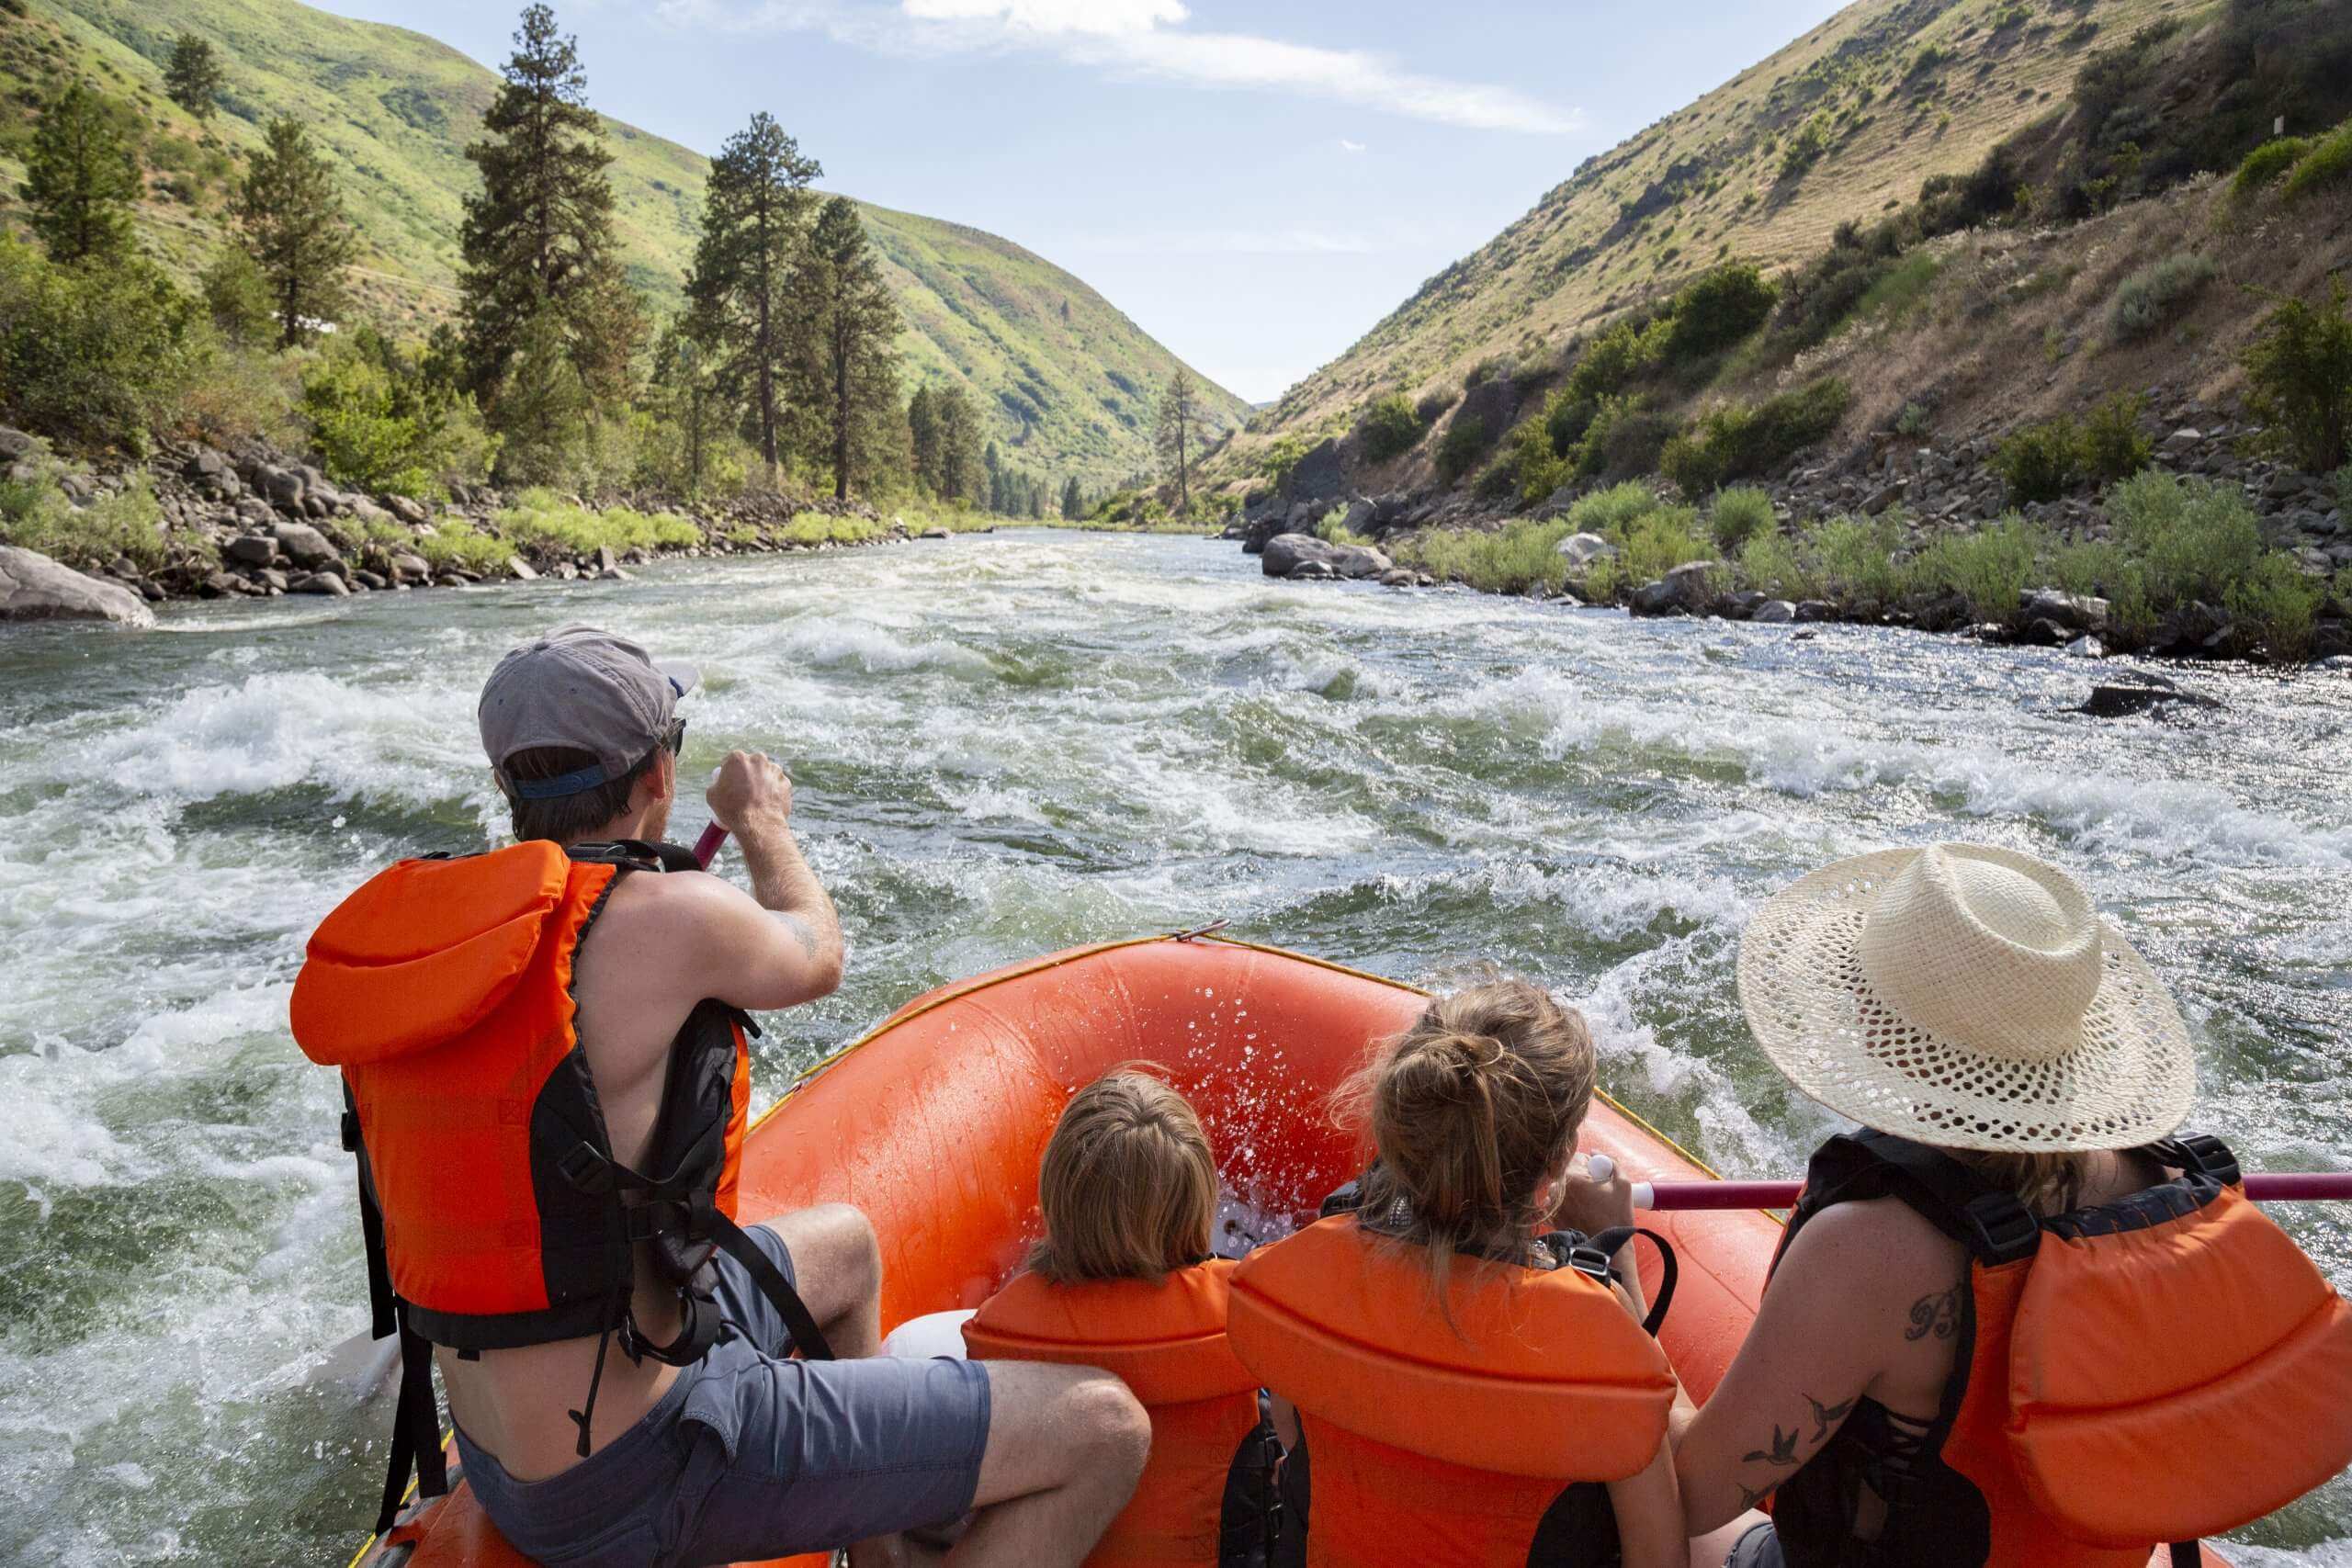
point(2286, 1187)
point(707, 847)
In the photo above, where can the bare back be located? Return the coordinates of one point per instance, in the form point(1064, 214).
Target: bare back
point(662, 943)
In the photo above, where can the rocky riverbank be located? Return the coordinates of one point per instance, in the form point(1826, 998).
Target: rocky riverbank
point(1911, 492)
point(252, 522)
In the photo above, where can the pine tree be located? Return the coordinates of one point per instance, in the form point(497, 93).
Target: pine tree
point(688, 406)
point(192, 77)
point(292, 216)
point(1073, 503)
point(849, 323)
point(999, 492)
point(539, 232)
point(755, 215)
point(545, 406)
point(961, 476)
point(922, 440)
point(1182, 432)
point(80, 179)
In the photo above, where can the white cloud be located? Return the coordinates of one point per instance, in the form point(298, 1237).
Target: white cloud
point(1140, 38)
point(1348, 146)
point(1054, 16)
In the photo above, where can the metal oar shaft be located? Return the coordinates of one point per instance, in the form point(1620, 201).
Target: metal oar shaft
point(2282, 1187)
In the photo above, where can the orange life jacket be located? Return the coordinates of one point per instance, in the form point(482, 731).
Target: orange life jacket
point(1167, 1343)
point(492, 1201)
point(2095, 1351)
point(1459, 1442)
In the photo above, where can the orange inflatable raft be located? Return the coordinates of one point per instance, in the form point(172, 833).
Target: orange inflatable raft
point(933, 1123)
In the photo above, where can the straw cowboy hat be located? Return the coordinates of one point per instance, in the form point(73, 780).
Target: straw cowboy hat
point(1966, 997)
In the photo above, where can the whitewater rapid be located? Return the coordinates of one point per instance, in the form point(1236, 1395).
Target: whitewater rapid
point(1004, 745)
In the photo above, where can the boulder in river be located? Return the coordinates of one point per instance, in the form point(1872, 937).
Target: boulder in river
point(411, 568)
point(250, 549)
point(1688, 588)
point(35, 588)
point(1774, 612)
point(325, 582)
point(1286, 553)
point(2073, 612)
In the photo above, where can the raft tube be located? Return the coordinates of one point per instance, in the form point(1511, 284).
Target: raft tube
point(933, 1123)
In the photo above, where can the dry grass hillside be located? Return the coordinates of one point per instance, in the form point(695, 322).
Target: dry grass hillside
point(1842, 125)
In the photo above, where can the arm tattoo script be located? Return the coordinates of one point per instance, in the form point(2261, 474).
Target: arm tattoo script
point(799, 929)
point(1938, 1315)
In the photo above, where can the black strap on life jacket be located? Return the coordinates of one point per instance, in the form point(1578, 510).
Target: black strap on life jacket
point(416, 1421)
point(1588, 1256)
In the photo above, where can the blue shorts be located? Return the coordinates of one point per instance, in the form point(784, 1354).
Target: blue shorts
point(1757, 1548)
point(751, 1455)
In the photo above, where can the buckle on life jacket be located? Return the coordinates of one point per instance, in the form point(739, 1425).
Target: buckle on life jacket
point(2006, 1228)
point(586, 1169)
point(659, 1218)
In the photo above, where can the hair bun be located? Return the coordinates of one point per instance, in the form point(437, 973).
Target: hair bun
point(1467, 1052)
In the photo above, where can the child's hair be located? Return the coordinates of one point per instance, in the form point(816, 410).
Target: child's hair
point(1128, 1185)
point(1469, 1109)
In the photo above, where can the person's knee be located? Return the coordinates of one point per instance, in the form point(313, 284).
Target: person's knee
point(1113, 1430)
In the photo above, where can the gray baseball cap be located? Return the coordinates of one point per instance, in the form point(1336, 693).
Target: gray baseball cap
point(585, 690)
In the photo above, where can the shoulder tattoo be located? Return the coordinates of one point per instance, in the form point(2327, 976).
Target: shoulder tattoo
point(1936, 1314)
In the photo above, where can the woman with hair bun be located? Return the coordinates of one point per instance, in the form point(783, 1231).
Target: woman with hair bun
point(1474, 1386)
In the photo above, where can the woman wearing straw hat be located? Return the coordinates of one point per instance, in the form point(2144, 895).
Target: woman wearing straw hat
point(2013, 1320)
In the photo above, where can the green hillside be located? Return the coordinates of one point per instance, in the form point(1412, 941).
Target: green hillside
point(1068, 380)
point(1839, 126)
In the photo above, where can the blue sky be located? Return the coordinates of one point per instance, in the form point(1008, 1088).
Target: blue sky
point(1255, 184)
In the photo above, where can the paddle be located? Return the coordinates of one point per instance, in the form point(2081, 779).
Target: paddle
point(2282, 1187)
point(707, 847)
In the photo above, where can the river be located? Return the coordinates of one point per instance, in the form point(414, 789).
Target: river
point(1004, 745)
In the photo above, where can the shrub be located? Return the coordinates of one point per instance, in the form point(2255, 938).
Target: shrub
point(1530, 468)
point(1566, 418)
point(2328, 162)
point(1806, 148)
point(1625, 439)
point(1738, 440)
point(1988, 569)
point(455, 545)
point(1333, 529)
point(2156, 295)
point(2280, 603)
point(2300, 373)
point(817, 528)
point(1435, 404)
point(1611, 512)
point(386, 422)
point(36, 514)
point(1852, 560)
point(1486, 370)
point(1917, 419)
point(1718, 310)
point(2112, 447)
point(1388, 427)
point(1738, 516)
point(1465, 439)
point(2267, 164)
point(1523, 554)
point(2040, 461)
point(2189, 539)
point(1280, 458)
point(239, 298)
point(543, 524)
point(1611, 362)
point(94, 354)
point(1665, 539)
point(1770, 565)
point(243, 391)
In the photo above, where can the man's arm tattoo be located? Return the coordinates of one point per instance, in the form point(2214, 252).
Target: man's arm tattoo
point(803, 934)
point(1936, 1314)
